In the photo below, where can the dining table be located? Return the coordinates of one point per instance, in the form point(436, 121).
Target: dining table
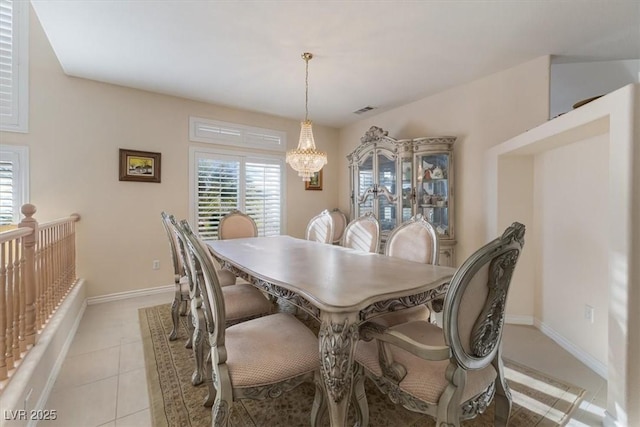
point(342, 288)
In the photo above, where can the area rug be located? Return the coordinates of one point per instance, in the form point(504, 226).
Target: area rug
point(539, 400)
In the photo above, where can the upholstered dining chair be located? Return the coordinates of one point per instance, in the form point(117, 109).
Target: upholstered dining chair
point(452, 373)
point(256, 359)
point(244, 302)
point(179, 306)
point(320, 228)
point(363, 234)
point(339, 225)
point(414, 240)
point(181, 298)
point(235, 225)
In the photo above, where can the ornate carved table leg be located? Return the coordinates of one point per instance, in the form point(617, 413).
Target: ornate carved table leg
point(338, 337)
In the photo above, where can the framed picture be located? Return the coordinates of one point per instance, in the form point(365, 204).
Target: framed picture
point(143, 166)
point(315, 183)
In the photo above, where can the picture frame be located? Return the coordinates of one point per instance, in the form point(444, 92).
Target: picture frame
point(141, 166)
point(315, 183)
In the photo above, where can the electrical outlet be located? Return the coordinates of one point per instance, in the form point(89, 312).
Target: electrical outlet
point(589, 313)
point(156, 264)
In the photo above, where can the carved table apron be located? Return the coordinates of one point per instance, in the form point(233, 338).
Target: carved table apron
point(340, 287)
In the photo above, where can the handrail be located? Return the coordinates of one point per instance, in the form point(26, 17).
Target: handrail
point(37, 271)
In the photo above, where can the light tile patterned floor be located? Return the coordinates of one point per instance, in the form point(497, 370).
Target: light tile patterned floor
point(102, 381)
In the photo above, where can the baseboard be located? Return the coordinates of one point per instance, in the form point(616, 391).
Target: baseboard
point(129, 294)
point(37, 372)
point(594, 364)
point(515, 319)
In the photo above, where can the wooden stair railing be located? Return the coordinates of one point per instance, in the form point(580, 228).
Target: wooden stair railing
point(37, 271)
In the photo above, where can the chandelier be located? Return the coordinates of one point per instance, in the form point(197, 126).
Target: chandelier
point(305, 159)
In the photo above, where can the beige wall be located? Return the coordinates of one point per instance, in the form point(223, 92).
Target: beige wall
point(572, 208)
point(76, 129)
point(481, 114)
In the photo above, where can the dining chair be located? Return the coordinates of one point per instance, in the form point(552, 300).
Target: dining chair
point(179, 306)
point(256, 359)
point(339, 225)
point(455, 372)
point(414, 240)
point(244, 302)
point(235, 225)
point(363, 234)
point(320, 228)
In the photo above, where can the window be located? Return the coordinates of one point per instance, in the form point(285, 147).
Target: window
point(224, 180)
point(14, 65)
point(14, 185)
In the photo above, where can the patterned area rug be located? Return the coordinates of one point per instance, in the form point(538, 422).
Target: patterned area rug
point(538, 399)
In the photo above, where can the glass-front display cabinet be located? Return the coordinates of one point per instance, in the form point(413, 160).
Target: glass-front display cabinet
point(396, 179)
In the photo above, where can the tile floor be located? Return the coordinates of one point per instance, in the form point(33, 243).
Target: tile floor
point(102, 381)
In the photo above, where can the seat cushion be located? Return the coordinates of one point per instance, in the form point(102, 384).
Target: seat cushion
point(425, 379)
point(244, 301)
point(270, 349)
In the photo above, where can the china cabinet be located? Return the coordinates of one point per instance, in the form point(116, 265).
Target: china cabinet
point(397, 178)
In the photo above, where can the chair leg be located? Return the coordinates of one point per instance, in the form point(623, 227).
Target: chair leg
point(319, 409)
point(184, 307)
point(191, 326)
point(502, 397)
point(359, 398)
point(199, 352)
point(175, 308)
point(208, 379)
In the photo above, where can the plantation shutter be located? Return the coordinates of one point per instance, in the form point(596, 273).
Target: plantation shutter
point(218, 191)
point(251, 184)
point(7, 199)
point(262, 200)
point(13, 65)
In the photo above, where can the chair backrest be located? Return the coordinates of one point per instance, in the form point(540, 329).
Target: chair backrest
point(339, 224)
point(236, 225)
point(414, 240)
point(475, 302)
point(320, 228)
point(178, 264)
point(203, 270)
point(363, 233)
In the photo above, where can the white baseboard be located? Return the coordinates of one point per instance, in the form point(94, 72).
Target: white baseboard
point(515, 319)
point(129, 294)
point(593, 363)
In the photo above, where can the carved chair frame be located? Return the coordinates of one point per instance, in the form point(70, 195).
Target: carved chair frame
point(501, 255)
point(417, 221)
point(235, 215)
point(221, 393)
point(370, 218)
point(320, 217)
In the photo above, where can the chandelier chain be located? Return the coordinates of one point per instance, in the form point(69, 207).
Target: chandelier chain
point(306, 57)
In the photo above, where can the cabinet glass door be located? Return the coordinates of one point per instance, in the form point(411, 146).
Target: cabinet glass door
point(365, 182)
point(407, 192)
point(432, 193)
point(386, 196)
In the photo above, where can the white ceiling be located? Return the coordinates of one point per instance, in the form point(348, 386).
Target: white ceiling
point(246, 54)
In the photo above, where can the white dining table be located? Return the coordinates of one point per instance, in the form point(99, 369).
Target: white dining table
point(340, 287)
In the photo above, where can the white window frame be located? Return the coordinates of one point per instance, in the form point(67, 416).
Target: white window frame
point(18, 120)
point(243, 157)
point(19, 156)
point(239, 136)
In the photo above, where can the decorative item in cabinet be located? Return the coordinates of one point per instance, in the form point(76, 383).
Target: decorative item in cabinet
point(396, 179)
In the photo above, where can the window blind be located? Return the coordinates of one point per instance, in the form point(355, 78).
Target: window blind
point(7, 199)
point(13, 65)
point(252, 185)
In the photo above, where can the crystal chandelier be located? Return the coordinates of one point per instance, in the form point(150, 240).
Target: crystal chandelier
point(305, 159)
